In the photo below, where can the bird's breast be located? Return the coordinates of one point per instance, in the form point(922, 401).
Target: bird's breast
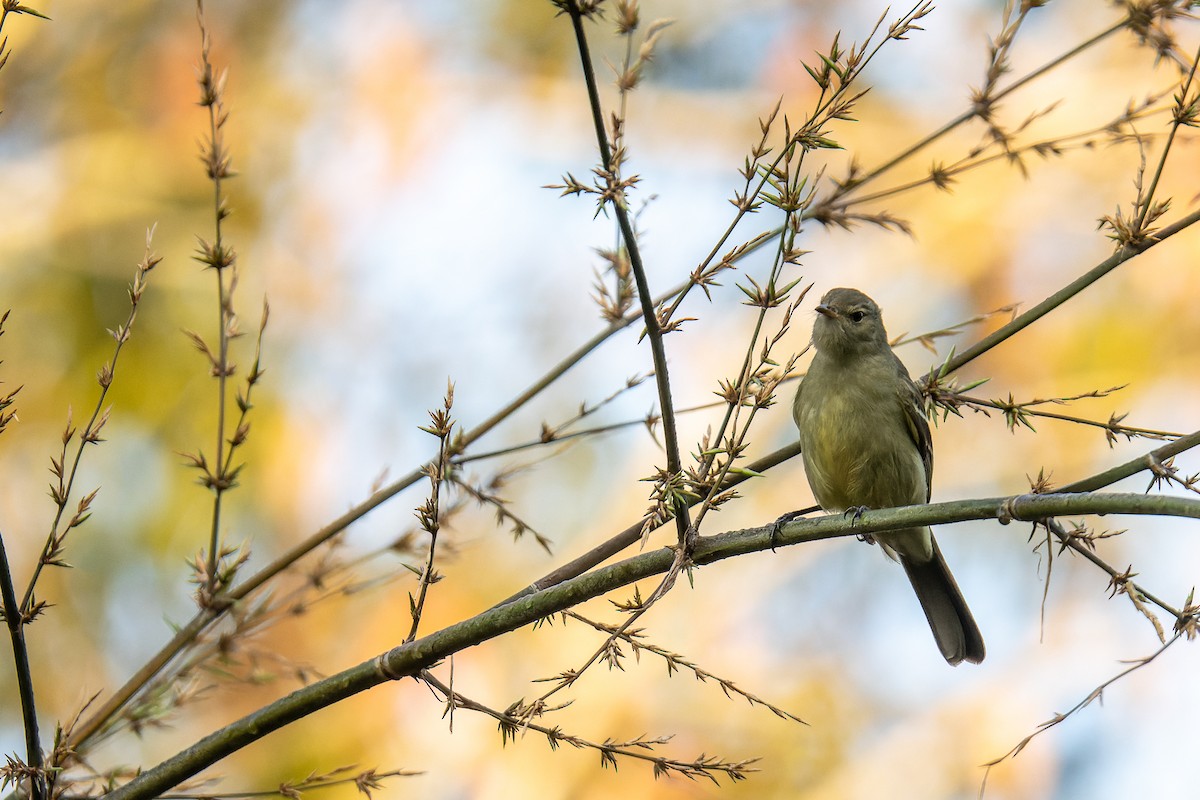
point(856, 446)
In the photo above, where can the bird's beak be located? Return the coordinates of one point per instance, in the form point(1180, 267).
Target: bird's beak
point(827, 311)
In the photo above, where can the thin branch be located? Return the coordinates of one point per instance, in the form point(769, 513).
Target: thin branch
point(363, 781)
point(1095, 694)
point(511, 725)
point(441, 425)
point(222, 259)
point(653, 328)
point(61, 493)
point(1123, 254)
point(1075, 544)
point(674, 662)
point(950, 401)
point(410, 659)
point(1185, 114)
point(972, 113)
point(16, 630)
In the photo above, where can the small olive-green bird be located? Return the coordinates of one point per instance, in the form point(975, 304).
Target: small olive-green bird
point(866, 444)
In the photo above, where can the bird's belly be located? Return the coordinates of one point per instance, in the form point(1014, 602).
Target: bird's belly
point(860, 453)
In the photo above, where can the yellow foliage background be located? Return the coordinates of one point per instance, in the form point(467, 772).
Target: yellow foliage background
point(389, 204)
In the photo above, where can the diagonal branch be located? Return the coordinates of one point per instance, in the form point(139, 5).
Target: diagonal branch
point(653, 329)
point(409, 659)
point(641, 748)
point(188, 632)
point(1095, 694)
point(16, 630)
point(628, 537)
point(1123, 254)
point(994, 98)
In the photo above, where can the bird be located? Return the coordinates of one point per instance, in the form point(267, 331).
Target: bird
point(865, 443)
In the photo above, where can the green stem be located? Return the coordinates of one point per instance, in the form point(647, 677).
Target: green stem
point(16, 631)
point(1176, 121)
point(653, 329)
point(1055, 300)
point(970, 114)
point(409, 659)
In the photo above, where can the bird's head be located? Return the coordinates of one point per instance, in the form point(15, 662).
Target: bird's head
point(848, 323)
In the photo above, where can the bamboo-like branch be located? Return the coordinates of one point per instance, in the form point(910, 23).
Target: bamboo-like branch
point(1134, 466)
point(674, 661)
point(972, 113)
point(1179, 118)
point(62, 489)
point(1123, 254)
point(1071, 542)
point(409, 659)
point(630, 536)
point(654, 330)
point(100, 717)
point(220, 257)
point(16, 631)
point(441, 425)
point(642, 748)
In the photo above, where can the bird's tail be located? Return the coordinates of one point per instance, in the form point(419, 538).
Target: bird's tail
point(953, 627)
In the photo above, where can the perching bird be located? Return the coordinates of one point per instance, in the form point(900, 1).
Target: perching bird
point(866, 444)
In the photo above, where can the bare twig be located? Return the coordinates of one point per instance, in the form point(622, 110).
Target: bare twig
point(411, 658)
point(512, 725)
point(38, 779)
point(441, 425)
point(610, 162)
point(221, 258)
point(364, 781)
point(61, 490)
point(1096, 694)
point(636, 640)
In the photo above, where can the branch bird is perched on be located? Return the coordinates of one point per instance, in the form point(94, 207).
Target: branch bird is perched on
point(866, 444)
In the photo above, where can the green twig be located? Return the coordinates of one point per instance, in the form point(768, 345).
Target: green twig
point(409, 659)
point(1055, 300)
point(653, 328)
point(16, 631)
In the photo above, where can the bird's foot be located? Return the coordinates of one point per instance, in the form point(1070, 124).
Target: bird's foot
point(856, 512)
point(778, 524)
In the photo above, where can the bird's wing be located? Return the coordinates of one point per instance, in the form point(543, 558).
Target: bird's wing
point(796, 403)
point(918, 426)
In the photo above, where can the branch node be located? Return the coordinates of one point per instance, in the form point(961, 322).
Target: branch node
point(1007, 511)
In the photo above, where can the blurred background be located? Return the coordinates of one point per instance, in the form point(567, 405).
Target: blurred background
point(389, 203)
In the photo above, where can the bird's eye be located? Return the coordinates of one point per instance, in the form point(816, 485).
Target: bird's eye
point(857, 316)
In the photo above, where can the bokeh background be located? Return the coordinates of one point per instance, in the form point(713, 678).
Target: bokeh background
point(389, 204)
